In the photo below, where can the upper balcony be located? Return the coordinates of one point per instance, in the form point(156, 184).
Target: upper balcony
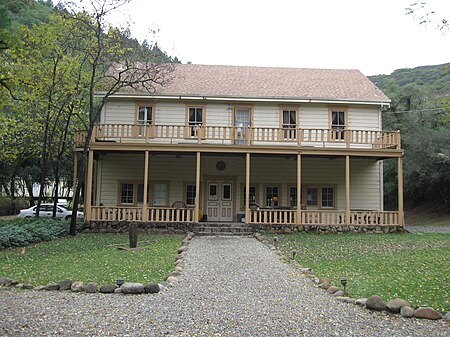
point(242, 136)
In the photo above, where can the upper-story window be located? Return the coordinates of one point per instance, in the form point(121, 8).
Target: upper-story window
point(195, 119)
point(338, 123)
point(289, 124)
point(144, 118)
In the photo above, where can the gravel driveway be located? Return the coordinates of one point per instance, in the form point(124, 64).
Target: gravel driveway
point(230, 287)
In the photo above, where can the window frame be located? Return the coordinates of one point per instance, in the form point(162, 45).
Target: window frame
point(242, 199)
point(191, 131)
point(319, 188)
point(150, 193)
point(336, 131)
point(280, 193)
point(185, 186)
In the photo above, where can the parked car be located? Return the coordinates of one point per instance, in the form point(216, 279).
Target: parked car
point(47, 211)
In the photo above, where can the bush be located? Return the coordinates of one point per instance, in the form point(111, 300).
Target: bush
point(9, 206)
point(22, 232)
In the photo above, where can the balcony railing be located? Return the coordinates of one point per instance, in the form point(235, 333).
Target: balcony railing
point(236, 135)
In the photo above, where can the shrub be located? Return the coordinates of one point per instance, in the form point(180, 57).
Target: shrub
point(9, 206)
point(22, 232)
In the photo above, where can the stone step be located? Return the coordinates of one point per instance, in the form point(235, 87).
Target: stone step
point(224, 234)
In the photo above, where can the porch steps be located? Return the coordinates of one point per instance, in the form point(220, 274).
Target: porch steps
point(222, 229)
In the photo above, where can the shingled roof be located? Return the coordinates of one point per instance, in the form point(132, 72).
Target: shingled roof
point(267, 82)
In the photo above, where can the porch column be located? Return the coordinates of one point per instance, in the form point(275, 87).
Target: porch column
point(347, 190)
point(247, 188)
point(144, 204)
point(88, 201)
point(299, 189)
point(197, 189)
point(400, 191)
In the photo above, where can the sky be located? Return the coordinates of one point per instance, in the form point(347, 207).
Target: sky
point(375, 36)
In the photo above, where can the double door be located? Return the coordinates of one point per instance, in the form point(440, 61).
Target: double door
point(220, 201)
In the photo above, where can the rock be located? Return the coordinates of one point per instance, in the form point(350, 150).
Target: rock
point(346, 299)
point(179, 268)
point(152, 288)
point(52, 286)
point(305, 270)
point(427, 313)
point(108, 288)
point(181, 249)
point(117, 291)
point(65, 285)
point(19, 285)
point(338, 293)
point(407, 311)
point(5, 281)
point(324, 283)
point(13, 282)
point(77, 286)
point(27, 286)
point(39, 288)
point(91, 287)
point(332, 289)
point(375, 302)
point(361, 302)
point(132, 288)
point(396, 304)
point(175, 273)
point(447, 317)
point(172, 279)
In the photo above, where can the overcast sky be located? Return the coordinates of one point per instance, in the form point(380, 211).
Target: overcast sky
point(375, 36)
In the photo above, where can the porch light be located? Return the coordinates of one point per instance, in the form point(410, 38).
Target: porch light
point(294, 252)
point(119, 282)
point(275, 240)
point(344, 282)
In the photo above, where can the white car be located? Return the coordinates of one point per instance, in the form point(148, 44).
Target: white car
point(47, 211)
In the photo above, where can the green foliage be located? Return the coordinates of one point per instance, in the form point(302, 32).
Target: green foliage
point(22, 232)
point(413, 267)
point(97, 259)
point(434, 79)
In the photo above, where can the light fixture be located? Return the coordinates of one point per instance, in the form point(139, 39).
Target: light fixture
point(344, 282)
point(294, 252)
point(275, 240)
point(119, 282)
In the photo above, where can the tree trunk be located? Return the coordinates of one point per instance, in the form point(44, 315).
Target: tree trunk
point(133, 235)
point(29, 186)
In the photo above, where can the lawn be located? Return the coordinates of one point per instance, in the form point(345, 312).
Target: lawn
point(92, 258)
point(415, 267)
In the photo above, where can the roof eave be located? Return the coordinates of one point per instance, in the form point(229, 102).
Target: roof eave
point(251, 99)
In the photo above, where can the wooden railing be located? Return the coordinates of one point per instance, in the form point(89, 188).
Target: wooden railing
point(324, 217)
point(243, 135)
point(154, 214)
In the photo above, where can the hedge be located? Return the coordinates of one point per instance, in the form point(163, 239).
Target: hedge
point(22, 232)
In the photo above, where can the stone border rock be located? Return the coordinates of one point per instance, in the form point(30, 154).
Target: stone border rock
point(126, 288)
point(374, 302)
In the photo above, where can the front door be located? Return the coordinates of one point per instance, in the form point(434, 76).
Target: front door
point(220, 201)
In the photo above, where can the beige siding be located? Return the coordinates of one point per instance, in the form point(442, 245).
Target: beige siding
point(364, 118)
point(118, 112)
point(365, 177)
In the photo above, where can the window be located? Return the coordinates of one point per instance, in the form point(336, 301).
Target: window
point(160, 194)
point(140, 193)
point(190, 194)
point(327, 197)
point(272, 196)
point(195, 119)
point(252, 194)
point(127, 194)
point(242, 123)
point(337, 124)
point(293, 196)
point(312, 196)
point(144, 118)
point(226, 192)
point(289, 123)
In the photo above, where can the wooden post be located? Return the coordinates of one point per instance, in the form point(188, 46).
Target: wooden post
point(197, 189)
point(299, 188)
point(347, 190)
point(247, 188)
point(75, 174)
point(400, 191)
point(88, 200)
point(145, 201)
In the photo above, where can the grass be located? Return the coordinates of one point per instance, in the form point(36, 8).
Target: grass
point(92, 258)
point(414, 267)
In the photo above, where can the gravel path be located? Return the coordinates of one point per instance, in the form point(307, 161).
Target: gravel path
point(230, 287)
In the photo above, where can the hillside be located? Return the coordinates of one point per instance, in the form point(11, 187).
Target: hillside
point(433, 79)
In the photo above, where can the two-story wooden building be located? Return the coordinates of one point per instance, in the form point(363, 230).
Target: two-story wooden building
point(290, 147)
